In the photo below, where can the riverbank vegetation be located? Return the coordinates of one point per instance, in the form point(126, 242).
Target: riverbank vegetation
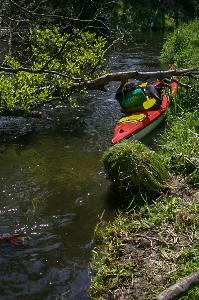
point(140, 253)
point(145, 250)
point(180, 142)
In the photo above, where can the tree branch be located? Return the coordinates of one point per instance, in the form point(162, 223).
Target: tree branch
point(40, 71)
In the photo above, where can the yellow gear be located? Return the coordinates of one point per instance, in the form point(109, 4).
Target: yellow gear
point(150, 102)
point(133, 118)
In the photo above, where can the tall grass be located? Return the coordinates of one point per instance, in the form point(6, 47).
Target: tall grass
point(181, 46)
point(180, 143)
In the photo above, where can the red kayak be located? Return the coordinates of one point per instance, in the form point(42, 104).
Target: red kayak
point(139, 124)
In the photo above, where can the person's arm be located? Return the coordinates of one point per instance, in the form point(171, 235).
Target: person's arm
point(119, 92)
point(124, 79)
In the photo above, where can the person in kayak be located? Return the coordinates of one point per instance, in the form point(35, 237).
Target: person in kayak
point(132, 97)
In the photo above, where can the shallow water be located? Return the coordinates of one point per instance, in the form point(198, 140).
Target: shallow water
point(53, 188)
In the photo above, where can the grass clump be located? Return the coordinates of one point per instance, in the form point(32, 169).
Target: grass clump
point(133, 167)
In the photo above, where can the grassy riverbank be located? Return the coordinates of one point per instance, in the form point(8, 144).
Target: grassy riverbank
point(140, 253)
point(144, 250)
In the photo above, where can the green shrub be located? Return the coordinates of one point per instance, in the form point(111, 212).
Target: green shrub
point(77, 55)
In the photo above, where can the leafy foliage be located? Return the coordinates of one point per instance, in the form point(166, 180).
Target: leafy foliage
point(153, 14)
point(76, 55)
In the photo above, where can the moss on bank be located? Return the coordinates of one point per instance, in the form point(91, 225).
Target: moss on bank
point(134, 168)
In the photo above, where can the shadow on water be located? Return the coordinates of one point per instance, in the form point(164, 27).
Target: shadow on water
point(53, 189)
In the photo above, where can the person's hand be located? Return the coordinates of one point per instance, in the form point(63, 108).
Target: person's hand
point(124, 78)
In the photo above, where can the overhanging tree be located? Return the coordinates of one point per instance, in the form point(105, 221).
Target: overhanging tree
point(56, 63)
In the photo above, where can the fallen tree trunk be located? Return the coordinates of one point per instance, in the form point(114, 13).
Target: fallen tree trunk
point(100, 82)
point(181, 287)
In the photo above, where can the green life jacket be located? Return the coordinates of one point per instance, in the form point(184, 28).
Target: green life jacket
point(133, 98)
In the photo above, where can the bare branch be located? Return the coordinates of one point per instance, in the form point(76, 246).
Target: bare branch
point(181, 287)
point(104, 53)
point(36, 15)
point(113, 44)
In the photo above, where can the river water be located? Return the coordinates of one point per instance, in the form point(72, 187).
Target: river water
point(53, 188)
